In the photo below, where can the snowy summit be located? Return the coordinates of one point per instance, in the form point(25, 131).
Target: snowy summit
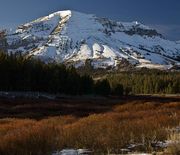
point(73, 38)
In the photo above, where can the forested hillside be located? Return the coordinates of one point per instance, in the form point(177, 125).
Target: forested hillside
point(147, 82)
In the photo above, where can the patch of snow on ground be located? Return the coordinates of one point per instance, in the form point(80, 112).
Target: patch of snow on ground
point(85, 52)
point(155, 66)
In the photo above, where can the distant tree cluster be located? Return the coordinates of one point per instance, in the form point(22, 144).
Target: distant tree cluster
point(20, 74)
point(146, 82)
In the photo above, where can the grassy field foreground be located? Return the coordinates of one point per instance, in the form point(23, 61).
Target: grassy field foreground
point(123, 123)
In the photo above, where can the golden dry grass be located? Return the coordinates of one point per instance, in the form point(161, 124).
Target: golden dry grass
point(133, 122)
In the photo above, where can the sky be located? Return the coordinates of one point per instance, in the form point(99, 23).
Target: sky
point(164, 15)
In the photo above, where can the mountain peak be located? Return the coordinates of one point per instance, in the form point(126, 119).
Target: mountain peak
point(72, 37)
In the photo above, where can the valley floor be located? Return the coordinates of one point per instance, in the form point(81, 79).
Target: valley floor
point(40, 105)
point(40, 126)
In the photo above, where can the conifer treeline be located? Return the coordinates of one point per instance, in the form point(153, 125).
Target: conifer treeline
point(20, 74)
point(147, 82)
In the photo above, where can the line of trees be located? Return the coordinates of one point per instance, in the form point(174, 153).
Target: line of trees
point(147, 82)
point(20, 74)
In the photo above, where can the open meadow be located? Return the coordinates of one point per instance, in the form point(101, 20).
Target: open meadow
point(104, 125)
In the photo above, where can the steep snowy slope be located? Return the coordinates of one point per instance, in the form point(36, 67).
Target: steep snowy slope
point(71, 37)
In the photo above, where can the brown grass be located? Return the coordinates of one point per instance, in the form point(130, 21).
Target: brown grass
point(134, 122)
point(174, 146)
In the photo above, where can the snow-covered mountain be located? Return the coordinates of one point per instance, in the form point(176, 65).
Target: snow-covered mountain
point(73, 38)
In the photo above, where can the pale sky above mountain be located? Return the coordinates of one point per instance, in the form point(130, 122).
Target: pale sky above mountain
point(160, 14)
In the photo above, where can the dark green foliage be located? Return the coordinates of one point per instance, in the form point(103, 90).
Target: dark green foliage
point(87, 84)
point(20, 74)
point(118, 90)
point(102, 88)
point(147, 82)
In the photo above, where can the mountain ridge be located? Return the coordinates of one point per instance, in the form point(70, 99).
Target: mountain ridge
point(72, 37)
